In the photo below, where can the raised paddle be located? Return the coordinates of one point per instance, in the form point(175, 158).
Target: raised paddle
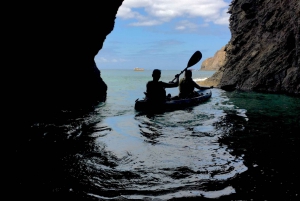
point(195, 58)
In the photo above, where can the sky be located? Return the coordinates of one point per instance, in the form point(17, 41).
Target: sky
point(164, 34)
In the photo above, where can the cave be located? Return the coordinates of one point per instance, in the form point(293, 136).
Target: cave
point(52, 48)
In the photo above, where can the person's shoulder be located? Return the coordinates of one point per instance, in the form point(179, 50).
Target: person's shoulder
point(149, 83)
point(163, 83)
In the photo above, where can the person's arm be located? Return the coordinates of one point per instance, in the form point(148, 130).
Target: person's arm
point(147, 87)
point(199, 87)
point(148, 90)
point(172, 84)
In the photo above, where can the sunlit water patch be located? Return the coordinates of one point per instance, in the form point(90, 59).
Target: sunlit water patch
point(168, 155)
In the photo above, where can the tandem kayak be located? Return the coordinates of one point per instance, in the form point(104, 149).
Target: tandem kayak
point(173, 104)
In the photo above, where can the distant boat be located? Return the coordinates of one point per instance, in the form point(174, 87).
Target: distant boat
point(138, 69)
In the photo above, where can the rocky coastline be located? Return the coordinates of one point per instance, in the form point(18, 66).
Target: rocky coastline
point(214, 63)
point(263, 53)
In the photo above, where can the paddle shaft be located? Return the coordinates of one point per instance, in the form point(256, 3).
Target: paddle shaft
point(180, 73)
point(195, 58)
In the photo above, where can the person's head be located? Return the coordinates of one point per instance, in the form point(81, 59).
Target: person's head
point(156, 74)
point(188, 73)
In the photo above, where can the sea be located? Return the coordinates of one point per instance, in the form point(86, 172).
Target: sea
point(236, 145)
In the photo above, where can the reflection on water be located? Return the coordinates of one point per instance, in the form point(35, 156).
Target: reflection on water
point(168, 155)
point(269, 142)
point(110, 152)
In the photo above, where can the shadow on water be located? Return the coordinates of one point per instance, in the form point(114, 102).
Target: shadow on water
point(236, 146)
point(269, 142)
point(47, 153)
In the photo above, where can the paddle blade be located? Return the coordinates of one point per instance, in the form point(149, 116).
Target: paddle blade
point(195, 58)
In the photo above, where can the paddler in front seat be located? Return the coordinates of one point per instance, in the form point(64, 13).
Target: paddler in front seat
point(155, 89)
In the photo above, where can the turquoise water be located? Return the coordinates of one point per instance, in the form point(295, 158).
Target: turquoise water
point(135, 81)
point(158, 148)
point(238, 145)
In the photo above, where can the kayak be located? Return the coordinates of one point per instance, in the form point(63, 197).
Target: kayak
point(173, 103)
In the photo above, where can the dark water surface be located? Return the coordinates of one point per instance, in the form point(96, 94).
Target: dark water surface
point(237, 145)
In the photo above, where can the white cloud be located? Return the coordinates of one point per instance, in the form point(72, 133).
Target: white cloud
point(180, 27)
point(154, 12)
point(186, 25)
point(127, 13)
point(102, 59)
point(105, 60)
point(224, 19)
point(146, 22)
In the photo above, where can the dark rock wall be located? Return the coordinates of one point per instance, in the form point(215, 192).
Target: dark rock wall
point(52, 48)
point(264, 51)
